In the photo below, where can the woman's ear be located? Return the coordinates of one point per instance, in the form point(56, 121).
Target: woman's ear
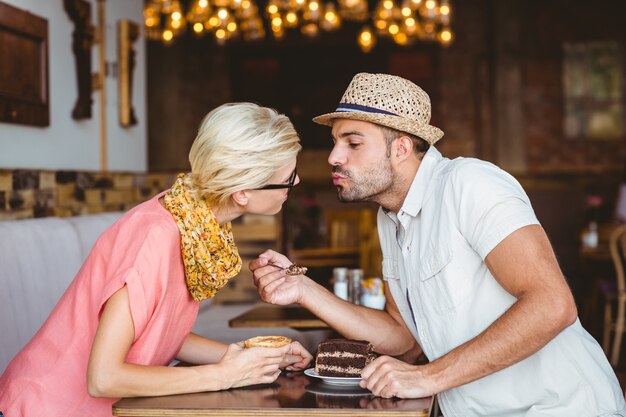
point(240, 198)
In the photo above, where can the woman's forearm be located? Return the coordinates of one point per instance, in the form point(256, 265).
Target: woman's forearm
point(199, 350)
point(129, 380)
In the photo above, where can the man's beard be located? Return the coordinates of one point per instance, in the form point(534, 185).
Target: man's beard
point(369, 185)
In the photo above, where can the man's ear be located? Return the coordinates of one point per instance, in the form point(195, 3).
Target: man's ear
point(240, 198)
point(403, 147)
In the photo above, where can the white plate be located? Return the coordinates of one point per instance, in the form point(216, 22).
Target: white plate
point(334, 380)
point(323, 388)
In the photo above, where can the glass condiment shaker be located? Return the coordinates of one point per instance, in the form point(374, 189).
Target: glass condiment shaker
point(355, 276)
point(340, 285)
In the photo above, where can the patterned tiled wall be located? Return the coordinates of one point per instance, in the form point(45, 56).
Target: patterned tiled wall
point(34, 193)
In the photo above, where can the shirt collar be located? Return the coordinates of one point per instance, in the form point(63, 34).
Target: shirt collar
point(415, 197)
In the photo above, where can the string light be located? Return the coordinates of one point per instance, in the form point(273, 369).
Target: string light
point(403, 24)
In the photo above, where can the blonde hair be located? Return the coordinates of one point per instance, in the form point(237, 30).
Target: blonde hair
point(240, 146)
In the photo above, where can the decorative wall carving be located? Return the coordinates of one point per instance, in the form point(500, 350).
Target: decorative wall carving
point(128, 33)
point(79, 12)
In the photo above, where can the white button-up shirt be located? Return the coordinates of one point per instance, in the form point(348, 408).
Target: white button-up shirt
point(434, 248)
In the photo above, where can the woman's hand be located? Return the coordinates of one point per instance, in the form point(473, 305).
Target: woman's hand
point(240, 366)
point(297, 358)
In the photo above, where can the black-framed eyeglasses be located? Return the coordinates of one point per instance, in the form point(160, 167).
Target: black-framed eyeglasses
point(290, 183)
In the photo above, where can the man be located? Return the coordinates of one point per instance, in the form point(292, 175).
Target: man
point(470, 276)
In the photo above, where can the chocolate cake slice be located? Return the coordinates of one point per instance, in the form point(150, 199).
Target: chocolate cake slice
point(343, 357)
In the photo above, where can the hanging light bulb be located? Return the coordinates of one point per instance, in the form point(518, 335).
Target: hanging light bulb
point(151, 16)
point(313, 10)
point(311, 17)
point(177, 16)
point(198, 28)
point(245, 11)
point(381, 25)
point(410, 27)
point(444, 12)
point(166, 6)
point(291, 19)
point(198, 13)
point(350, 4)
point(278, 32)
point(176, 20)
point(310, 30)
point(401, 38)
point(212, 23)
point(366, 39)
point(152, 22)
point(277, 21)
point(220, 36)
point(331, 19)
point(445, 37)
point(223, 14)
point(168, 35)
point(429, 32)
point(353, 10)
point(278, 29)
point(172, 25)
point(272, 9)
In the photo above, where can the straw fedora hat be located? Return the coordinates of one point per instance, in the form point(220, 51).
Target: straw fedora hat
point(386, 100)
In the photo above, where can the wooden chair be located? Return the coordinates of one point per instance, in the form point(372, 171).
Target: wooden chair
point(615, 295)
point(351, 241)
point(598, 269)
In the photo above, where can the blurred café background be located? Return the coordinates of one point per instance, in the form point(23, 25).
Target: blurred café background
point(100, 101)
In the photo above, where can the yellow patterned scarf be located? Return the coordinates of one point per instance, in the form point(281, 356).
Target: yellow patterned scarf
point(209, 252)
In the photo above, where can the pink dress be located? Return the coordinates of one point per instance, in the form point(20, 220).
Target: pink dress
point(141, 251)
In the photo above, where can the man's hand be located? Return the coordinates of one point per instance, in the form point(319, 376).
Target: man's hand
point(274, 285)
point(388, 377)
point(297, 358)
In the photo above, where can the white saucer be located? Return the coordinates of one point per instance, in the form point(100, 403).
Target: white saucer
point(323, 388)
point(334, 380)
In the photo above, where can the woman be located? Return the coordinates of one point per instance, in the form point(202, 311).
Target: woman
point(131, 307)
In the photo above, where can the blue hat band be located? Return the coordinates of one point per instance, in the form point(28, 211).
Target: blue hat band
point(348, 107)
